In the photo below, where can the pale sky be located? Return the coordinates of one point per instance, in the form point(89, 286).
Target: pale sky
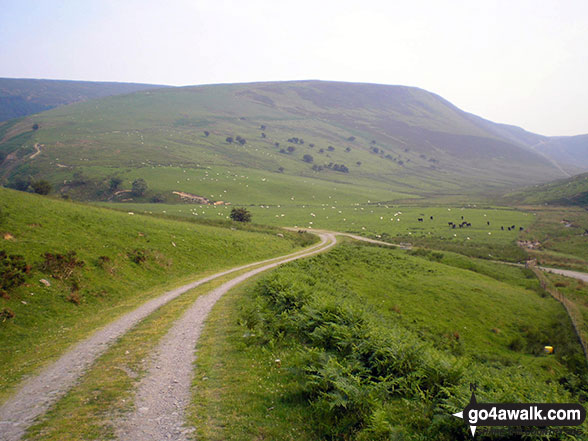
point(521, 62)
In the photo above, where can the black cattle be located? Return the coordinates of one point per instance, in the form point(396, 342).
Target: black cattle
point(521, 228)
point(509, 228)
point(488, 222)
point(502, 228)
point(420, 219)
point(462, 218)
point(431, 217)
point(451, 223)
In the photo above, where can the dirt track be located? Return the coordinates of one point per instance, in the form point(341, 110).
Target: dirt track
point(164, 393)
point(37, 394)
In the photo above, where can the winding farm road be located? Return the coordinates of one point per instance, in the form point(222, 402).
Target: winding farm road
point(37, 394)
point(164, 393)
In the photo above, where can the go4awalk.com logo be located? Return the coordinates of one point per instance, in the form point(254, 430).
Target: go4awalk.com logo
point(520, 414)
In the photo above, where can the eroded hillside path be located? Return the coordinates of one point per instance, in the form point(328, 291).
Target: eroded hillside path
point(35, 395)
point(163, 395)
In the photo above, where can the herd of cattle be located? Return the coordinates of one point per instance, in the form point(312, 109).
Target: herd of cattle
point(466, 224)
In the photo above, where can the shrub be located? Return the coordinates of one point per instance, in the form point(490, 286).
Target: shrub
point(139, 187)
point(307, 158)
point(42, 187)
point(61, 266)
point(13, 270)
point(240, 215)
point(114, 183)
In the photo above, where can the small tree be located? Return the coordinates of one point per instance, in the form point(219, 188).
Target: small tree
point(139, 187)
point(281, 169)
point(35, 126)
point(114, 183)
point(206, 133)
point(41, 187)
point(307, 158)
point(331, 148)
point(240, 215)
point(351, 139)
point(291, 149)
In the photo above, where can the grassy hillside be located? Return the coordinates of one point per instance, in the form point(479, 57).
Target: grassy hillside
point(67, 269)
point(569, 150)
point(21, 97)
point(397, 140)
point(571, 191)
point(368, 344)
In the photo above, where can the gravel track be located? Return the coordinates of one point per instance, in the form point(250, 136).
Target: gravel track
point(35, 395)
point(164, 393)
point(568, 273)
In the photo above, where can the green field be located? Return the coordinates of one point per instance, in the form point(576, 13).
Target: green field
point(377, 344)
point(120, 261)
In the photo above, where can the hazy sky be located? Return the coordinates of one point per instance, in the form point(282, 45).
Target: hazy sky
point(522, 62)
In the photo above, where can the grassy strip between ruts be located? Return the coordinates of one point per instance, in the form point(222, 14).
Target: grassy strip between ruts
point(322, 388)
point(105, 393)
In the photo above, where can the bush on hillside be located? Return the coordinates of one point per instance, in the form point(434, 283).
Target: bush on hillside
point(42, 187)
point(13, 270)
point(139, 187)
point(240, 215)
point(61, 266)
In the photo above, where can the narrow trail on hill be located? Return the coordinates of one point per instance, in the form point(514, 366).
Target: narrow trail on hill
point(35, 395)
point(164, 393)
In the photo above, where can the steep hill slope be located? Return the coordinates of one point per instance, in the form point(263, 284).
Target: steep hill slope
point(571, 191)
point(67, 269)
point(21, 97)
point(571, 151)
point(391, 141)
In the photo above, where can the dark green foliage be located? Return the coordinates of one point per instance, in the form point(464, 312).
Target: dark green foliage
point(240, 215)
point(206, 133)
point(13, 270)
point(157, 198)
point(350, 365)
point(114, 183)
point(369, 375)
point(291, 149)
point(307, 158)
point(41, 187)
point(19, 183)
point(35, 126)
point(139, 187)
point(61, 266)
